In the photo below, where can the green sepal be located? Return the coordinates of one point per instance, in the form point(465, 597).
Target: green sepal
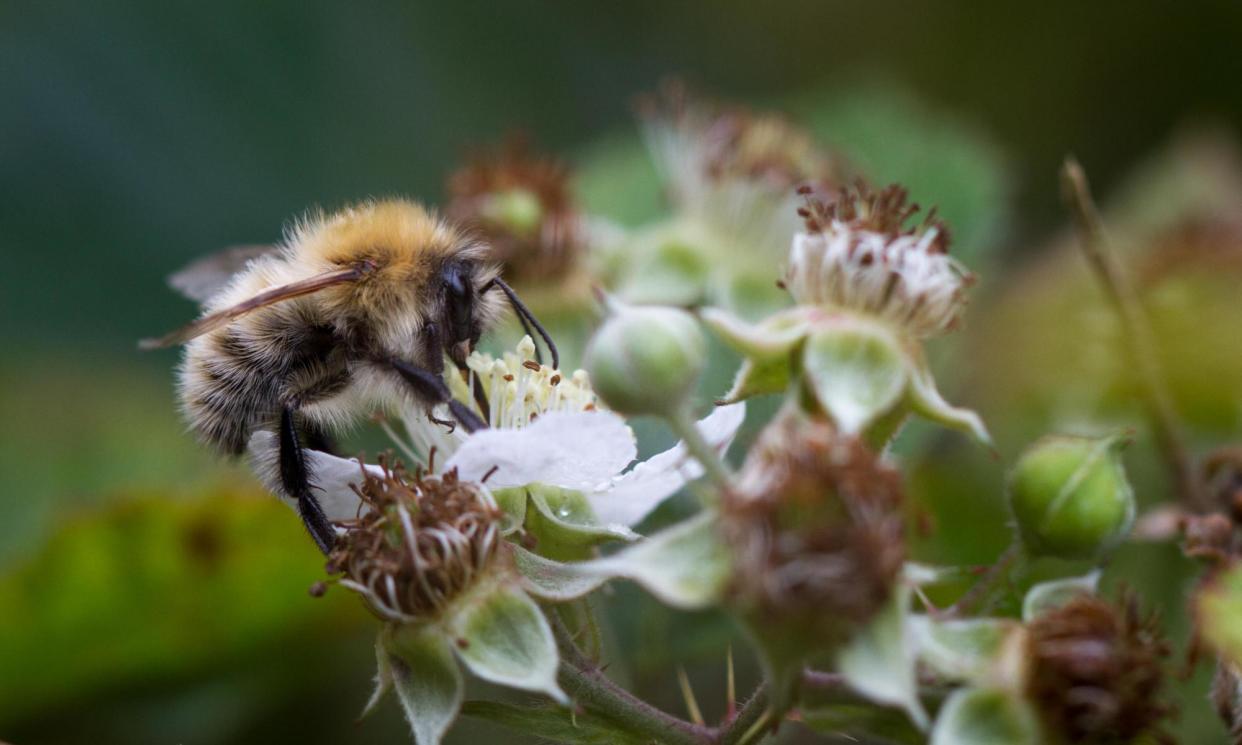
point(924, 398)
point(686, 565)
point(856, 372)
point(979, 651)
point(1053, 594)
point(986, 716)
point(501, 635)
point(564, 525)
point(880, 661)
point(419, 666)
point(512, 503)
point(553, 580)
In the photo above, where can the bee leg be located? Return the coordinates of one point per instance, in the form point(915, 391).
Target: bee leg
point(429, 387)
point(295, 478)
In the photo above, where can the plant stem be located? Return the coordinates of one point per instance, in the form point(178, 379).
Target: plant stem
point(682, 422)
point(754, 713)
point(588, 685)
point(987, 584)
point(1137, 334)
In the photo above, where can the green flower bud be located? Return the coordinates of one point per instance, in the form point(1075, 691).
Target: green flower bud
point(1070, 497)
point(646, 360)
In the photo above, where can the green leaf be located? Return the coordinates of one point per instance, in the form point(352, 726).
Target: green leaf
point(981, 716)
point(857, 373)
point(879, 662)
point(1050, 595)
point(686, 565)
point(425, 677)
point(859, 722)
point(501, 635)
point(554, 724)
point(212, 581)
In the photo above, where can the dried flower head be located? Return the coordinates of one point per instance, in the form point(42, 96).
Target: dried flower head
point(733, 168)
point(815, 524)
point(855, 251)
point(1097, 670)
point(420, 541)
point(521, 203)
point(719, 142)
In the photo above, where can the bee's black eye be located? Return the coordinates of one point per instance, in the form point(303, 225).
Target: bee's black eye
point(459, 299)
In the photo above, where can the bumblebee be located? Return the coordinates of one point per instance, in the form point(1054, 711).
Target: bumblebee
point(351, 313)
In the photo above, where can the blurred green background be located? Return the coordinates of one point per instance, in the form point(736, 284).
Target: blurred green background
point(150, 594)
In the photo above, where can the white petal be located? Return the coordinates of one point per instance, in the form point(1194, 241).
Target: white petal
point(330, 476)
point(570, 450)
point(627, 499)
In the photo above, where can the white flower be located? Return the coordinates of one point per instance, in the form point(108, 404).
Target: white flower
point(731, 175)
point(855, 253)
point(545, 429)
point(731, 168)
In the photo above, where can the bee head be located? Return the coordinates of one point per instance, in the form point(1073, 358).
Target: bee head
point(463, 307)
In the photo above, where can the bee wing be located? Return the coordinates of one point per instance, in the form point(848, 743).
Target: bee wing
point(222, 317)
point(204, 277)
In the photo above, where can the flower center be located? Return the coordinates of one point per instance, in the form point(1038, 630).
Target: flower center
point(519, 390)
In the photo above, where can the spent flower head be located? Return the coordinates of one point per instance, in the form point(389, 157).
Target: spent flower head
point(704, 146)
point(856, 251)
point(1097, 671)
point(420, 541)
point(816, 530)
point(520, 202)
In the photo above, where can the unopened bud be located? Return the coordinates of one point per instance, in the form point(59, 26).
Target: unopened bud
point(646, 360)
point(1070, 497)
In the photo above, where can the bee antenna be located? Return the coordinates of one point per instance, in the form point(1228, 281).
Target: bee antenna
point(524, 315)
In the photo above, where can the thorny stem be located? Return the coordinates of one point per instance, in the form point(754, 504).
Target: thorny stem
point(588, 685)
point(683, 424)
point(987, 584)
point(1138, 338)
point(755, 713)
point(586, 682)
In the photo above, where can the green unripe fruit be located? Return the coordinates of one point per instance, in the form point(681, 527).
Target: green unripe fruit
point(646, 360)
point(1070, 497)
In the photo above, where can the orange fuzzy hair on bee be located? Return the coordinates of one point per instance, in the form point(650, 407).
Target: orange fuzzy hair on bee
point(400, 242)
